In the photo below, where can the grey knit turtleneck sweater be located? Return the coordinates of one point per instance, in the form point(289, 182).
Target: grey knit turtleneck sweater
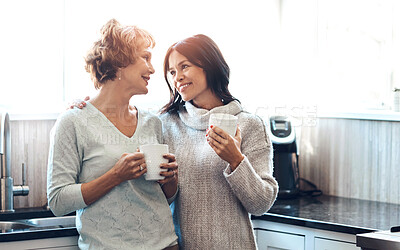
point(212, 208)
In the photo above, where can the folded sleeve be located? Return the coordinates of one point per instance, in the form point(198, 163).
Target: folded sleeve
point(63, 190)
point(252, 181)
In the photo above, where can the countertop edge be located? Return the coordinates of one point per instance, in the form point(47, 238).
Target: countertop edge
point(322, 225)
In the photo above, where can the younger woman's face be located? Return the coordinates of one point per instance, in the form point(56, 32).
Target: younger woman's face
point(188, 79)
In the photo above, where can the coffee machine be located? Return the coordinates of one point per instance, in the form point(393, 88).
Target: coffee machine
point(286, 168)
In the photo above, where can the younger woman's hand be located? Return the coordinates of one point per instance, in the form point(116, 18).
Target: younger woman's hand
point(78, 103)
point(169, 184)
point(226, 146)
point(171, 175)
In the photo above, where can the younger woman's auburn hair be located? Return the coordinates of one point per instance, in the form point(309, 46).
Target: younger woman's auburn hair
point(117, 48)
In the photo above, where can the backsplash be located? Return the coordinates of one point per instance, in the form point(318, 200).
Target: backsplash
point(30, 145)
point(343, 157)
point(353, 158)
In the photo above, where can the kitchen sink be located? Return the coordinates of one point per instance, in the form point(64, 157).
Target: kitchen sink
point(9, 226)
point(37, 224)
point(66, 221)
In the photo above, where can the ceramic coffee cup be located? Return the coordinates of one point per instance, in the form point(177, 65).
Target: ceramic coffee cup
point(153, 155)
point(226, 122)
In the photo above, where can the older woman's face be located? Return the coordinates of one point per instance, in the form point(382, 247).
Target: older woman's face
point(189, 80)
point(137, 75)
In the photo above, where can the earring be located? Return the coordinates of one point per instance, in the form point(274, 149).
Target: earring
point(119, 77)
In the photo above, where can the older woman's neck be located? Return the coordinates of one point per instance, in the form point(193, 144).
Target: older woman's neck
point(111, 99)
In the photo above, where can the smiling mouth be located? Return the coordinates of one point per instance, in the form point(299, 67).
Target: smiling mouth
point(146, 78)
point(184, 86)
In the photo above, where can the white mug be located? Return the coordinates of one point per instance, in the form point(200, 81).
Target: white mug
point(226, 122)
point(153, 155)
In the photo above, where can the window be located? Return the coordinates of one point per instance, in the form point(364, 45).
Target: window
point(355, 48)
point(242, 30)
point(338, 54)
point(31, 66)
point(324, 54)
point(45, 66)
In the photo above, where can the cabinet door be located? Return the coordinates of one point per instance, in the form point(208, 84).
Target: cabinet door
point(326, 244)
point(274, 240)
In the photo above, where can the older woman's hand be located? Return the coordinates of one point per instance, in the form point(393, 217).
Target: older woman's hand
point(130, 166)
point(226, 146)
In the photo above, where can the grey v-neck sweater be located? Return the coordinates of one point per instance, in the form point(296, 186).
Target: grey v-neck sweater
point(133, 215)
point(211, 210)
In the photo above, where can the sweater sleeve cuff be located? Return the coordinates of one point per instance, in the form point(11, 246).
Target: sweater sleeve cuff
point(80, 199)
point(171, 199)
point(228, 170)
point(70, 201)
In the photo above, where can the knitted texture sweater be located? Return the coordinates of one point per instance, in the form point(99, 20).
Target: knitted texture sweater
point(213, 206)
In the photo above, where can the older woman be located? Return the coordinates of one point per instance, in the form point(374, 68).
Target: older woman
point(94, 167)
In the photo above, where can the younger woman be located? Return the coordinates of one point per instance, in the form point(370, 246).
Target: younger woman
point(221, 178)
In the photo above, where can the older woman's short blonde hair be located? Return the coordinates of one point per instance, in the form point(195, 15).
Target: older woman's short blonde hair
point(117, 48)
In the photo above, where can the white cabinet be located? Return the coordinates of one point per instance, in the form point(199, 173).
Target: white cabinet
point(60, 243)
point(273, 235)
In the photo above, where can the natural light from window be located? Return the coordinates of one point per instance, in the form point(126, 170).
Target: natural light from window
point(319, 55)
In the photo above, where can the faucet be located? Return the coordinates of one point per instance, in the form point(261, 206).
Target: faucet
point(7, 188)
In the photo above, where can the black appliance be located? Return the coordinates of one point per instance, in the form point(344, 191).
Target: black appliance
point(286, 168)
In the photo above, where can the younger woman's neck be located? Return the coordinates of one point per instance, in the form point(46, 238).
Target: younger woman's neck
point(207, 103)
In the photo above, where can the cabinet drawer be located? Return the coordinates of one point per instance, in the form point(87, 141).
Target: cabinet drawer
point(327, 244)
point(271, 240)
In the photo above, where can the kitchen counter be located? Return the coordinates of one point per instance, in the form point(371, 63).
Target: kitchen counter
point(330, 213)
point(344, 215)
